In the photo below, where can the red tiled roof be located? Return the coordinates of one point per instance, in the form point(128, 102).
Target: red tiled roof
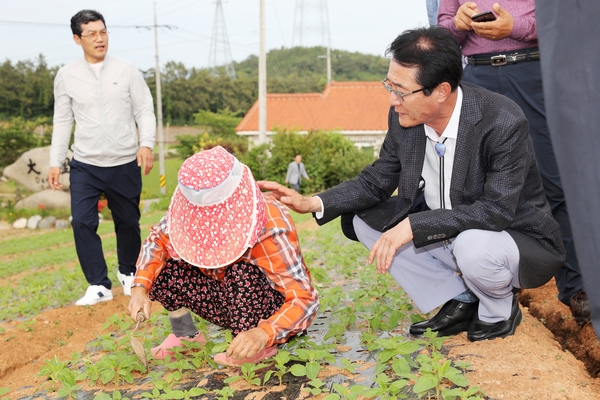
point(345, 106)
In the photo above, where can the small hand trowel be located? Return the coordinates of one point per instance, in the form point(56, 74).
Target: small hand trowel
point(136, 343)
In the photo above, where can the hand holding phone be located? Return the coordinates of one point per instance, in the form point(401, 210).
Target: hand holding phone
point(485, 16)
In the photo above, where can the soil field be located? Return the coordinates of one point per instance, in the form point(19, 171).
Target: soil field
point(549, 357)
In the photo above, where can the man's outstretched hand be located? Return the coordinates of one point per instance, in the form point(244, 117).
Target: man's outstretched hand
point(291, 198)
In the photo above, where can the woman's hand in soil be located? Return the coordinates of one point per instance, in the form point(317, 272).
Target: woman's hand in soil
point(139, 302)
point(248, 343)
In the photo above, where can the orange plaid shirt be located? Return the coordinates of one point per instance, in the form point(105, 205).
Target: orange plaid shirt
point(277, 253)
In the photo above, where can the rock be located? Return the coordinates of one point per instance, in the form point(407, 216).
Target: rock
point(21, 223)
point(47, 199)
point(62, 224)
point(33, 221)
point(47, 222)
point(31, 169)
point(4, 225)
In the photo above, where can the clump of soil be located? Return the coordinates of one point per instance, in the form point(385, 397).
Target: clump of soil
point(581, 341)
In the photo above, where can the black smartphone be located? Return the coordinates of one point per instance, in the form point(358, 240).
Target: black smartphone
point(485, 16)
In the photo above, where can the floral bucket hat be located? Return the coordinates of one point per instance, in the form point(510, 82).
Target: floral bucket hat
point(217, 211)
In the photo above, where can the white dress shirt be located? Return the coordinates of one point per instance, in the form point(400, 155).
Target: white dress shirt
point(431, 166)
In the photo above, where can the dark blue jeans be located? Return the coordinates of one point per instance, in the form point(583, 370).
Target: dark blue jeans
point(522, 82)
point(122, 186)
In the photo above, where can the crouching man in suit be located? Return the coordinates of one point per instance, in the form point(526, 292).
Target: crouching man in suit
point(470, 222)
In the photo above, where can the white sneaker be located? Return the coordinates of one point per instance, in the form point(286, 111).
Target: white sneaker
point(126, 281)
point(95, 294)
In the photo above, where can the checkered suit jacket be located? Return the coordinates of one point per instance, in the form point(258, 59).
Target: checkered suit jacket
point(495, 185)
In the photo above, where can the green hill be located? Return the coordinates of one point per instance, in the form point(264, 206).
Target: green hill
point(26, 87)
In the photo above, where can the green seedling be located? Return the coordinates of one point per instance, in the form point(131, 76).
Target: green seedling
point(159, 385)
point(352, 393)
point(311, 367)
point(397, 346)
point(118, 367)
point(280, 360)
point(393, 319)
point(117, 321)
point(316, 387)
point(27, 325)
point(472, 393)
point(336, 331)
point(225, 393)
point(222, 347)
point(348, 366)
point(434, 370)
point(433, 342)
point(387, 389)
point(180, 365)
point(249, 374)
point(368, 337)
point(203, 354)
point(56, 372)
point(68, 391)
point(155, 394)
point(116, 395)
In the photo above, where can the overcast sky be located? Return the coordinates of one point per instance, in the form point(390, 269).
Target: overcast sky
point(32, 27)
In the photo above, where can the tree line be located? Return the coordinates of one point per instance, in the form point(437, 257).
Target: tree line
point(26, 87)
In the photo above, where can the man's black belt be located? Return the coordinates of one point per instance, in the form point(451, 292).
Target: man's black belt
point(514, 57)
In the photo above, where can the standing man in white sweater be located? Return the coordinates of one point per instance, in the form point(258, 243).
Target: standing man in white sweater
point(105, 97)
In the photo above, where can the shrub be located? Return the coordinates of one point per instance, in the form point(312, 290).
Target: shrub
point(17, 136)
point(191, 144)
point(329, 158)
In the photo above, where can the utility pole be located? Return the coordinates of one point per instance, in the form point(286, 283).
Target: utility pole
point(262, 80)
point(328, 56)
point(159, 116)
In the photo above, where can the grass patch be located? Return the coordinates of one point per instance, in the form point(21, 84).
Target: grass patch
point(151, 182)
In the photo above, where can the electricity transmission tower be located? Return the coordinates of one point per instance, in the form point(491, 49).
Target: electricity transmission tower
point(311, 24)
point(311, 27)
point(220, 53)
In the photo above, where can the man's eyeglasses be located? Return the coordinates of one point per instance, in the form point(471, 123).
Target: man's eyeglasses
point(397, 93)
point(94, 34)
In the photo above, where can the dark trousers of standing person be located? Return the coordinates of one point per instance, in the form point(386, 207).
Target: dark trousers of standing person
point(122, 186)
point(568, 32)
point(522, 82)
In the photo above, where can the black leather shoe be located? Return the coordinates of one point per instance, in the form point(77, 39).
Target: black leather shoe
point(580, 307)
point(453, 317)
point(481, 330)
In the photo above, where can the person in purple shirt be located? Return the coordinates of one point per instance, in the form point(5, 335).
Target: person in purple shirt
point(502, 56)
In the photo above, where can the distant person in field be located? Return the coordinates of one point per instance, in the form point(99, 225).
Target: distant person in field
point(105, 97)
point(295, 173)
point(470, 222)
point(229, 254)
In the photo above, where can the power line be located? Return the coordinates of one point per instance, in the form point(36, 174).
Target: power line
point(53, 25)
